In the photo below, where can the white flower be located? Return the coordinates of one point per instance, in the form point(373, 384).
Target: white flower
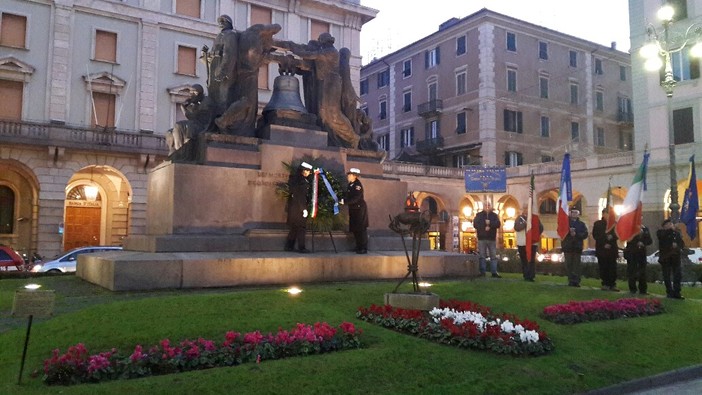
point(461, 317)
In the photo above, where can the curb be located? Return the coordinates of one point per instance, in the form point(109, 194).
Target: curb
point(647, 383)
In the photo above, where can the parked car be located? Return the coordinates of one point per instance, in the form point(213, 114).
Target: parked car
point(10, 259)
point(66, 263)
point(588, 256)
point(693, 255)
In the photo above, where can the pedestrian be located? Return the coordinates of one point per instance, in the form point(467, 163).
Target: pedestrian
point(606, 252)
point(486, 223)
point(358, 211)
point(572, 247)
point(528, 263)
point(635, 255)
point(298, 203)
point(671, 244)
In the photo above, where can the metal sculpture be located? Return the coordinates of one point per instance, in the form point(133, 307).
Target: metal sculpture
point(415, 223)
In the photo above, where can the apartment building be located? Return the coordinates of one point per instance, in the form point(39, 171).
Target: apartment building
point(491, 89)
point(89, 88)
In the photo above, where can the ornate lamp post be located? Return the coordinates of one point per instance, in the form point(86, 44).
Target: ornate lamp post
point(658, 51)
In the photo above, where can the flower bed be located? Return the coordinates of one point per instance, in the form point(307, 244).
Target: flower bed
point(464, 324)
point(598, 310)
point(78, 366)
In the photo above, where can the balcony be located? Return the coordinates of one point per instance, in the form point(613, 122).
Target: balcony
point(430, 108)
point(49, 134)
point(625, 117)
point(429, 146)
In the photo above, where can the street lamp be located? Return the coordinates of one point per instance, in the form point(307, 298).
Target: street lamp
point(657, 51)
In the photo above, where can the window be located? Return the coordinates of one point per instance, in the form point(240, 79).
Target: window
point(407, 137)
point(384, 78)
point(460, 83)
point(317, 28)
point(626, 141)
point(545, 126)
point(683, 126)
point(512, 80)
point(548, 206)
point(461, 121)
point(189, 8)
point(383, 109)
point(598, 67)
point(103, 110)
point(599, 101)
point(573, 58)
point(543, 87)
point(364, 86)
point(407, 68)
point(105, 46)
point(513, 121)
point(543, 50)
point(546, 158)
point(600, 136)
point(573, 93)
point(622, 73)
point(263, 15)
point(432, 129)
point(685, 68)
point(432, 58)
point(13, 30)
point(461, 160)
point(432, 88)
point(384, 142)
point(187, 58)
point(407, 101)
point(624, 109)
point(680, 7)
point(513, 158)
point(511, 42)
point(460, 45)
point(11, 93)
point(575, 131)
point(7, 209)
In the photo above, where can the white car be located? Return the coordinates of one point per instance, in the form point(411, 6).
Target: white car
point(552, 256)
point(694, 255)
point(66, 263)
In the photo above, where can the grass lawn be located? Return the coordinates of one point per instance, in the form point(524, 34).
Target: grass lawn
point(587, 356)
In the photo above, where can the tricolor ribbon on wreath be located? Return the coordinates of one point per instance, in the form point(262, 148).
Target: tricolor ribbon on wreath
point(315, 192)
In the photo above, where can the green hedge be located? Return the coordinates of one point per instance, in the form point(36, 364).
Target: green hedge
point(690, 272)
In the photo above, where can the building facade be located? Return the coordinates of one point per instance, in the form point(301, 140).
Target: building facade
point(89, 90)
point(494, 90)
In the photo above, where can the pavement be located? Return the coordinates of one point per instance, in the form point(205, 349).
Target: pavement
point(684, 381)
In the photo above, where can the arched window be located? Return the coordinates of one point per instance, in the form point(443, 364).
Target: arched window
point(548, 206)
point(7, 209)
point(433, 207)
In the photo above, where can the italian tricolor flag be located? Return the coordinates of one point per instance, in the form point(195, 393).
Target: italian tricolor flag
point(629, 224)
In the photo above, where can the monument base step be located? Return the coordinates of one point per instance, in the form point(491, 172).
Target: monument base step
point(262, 240)
point(132, 270)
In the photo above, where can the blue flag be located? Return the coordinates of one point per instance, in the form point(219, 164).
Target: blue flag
point(688, 214)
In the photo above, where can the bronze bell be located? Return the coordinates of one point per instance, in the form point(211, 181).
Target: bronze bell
point(286, 95)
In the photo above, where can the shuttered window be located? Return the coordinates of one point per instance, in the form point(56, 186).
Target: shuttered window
point(317, 28)
point(11, 93)
point(186, 60)
point(104, 108)
point(260, 15)
point(106, 46)
point(13, 30)
point(188, 8)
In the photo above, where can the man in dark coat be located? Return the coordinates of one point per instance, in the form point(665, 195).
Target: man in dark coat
point(358, 211)
point(486, 224)
point(572, 247)
point(606, 252)
point(671, 245)
point(635, 254)
point(298, 186)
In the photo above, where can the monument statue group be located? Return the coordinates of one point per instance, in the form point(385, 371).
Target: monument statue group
point(230, 105)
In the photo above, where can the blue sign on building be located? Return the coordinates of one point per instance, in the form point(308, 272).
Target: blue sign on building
point(481, 179)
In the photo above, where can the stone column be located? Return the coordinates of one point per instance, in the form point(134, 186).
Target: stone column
point(147, 79)
point(59, 88)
